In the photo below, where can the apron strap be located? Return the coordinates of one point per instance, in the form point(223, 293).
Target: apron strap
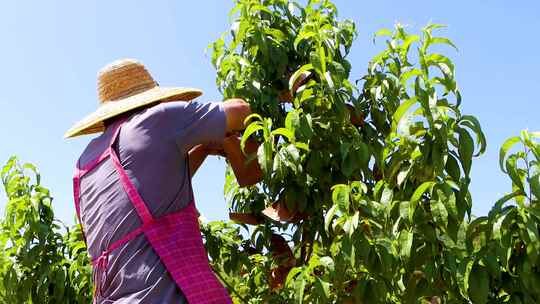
point(134, 196)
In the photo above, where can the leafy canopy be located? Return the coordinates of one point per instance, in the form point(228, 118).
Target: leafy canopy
point(385, 204)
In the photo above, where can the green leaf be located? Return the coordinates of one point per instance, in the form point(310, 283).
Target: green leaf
point(323, 289)
point(252, 128)
point(378, 187)
point(442, 62)
point(293, 154)
point(277, 35)
point(515, 174)
point(9, 165)
point(297, 74)
point(474, 124)
point(452, 167)
point(402, 175)
point(404, 210)
point(497, 207)
point(507, 145)
point(329, 216)
point(327, 262)
point(534, 182)
point(254, 116)
point(256, 8)
point(421, 190)
point(322, 60)
point(408, 42)
point(496, 229)
point(387, 196)
point(407, 75)
point(305, 128)
point(466, 150)
point(439, 212)
point(382, 32)
point(287, 133)
point(401, 110)
point(292, 121)
point(351, 224)
point(479, 285)
point(303, 146)
point(463, 275)
point(299, 288)
point(265, 157)
point(340, 197)
point(291, 277)
point(417, 195)
point(442, 40)
point(433, 26)
point(329, 81)
point(534, 134)
point(405, 244)
point(304, 35)
point(346, 160)
point(533, 234)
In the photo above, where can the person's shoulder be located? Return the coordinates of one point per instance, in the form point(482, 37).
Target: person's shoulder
point(194, 108)
point(151, 115)
point(95, 147)
point(172, 106)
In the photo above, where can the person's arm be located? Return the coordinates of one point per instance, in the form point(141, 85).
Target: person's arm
point(196, 157)
point(198, 154)
point(236, 111)
point(247, 173)
point(200, 127)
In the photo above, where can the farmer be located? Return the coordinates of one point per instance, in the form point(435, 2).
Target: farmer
point(133, 192)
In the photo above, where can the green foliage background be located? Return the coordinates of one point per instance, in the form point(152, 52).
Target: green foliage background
point(41, 260)
point(386, 208)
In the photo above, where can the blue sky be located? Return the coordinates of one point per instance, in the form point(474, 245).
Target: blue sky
point(51, 51)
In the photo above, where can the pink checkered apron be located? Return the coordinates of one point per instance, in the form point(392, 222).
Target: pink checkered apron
point(175, 237)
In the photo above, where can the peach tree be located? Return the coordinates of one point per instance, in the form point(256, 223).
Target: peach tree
point(369, 180)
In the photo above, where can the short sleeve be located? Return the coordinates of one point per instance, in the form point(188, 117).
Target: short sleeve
point(194, 123)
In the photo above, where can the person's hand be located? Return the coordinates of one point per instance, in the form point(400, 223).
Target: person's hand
point(247, 173)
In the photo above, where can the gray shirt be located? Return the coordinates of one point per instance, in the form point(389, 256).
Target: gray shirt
point(152, 146)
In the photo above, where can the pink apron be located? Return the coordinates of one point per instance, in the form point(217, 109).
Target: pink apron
point(175, 238)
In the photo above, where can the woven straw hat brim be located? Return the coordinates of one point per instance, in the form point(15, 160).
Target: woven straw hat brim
point(93, 123)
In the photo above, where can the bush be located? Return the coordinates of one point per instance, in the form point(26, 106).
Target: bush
point(41, 260)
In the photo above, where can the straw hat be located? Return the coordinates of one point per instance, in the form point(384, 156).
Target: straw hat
point(125, 85)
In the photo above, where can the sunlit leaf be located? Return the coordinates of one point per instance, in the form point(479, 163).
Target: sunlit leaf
point(382, 32)
point(403, 108)
point(405, 241)
point(340, 197)
point(442, 40)
point(329, 216)
point(426, 186)
point(250, 130)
